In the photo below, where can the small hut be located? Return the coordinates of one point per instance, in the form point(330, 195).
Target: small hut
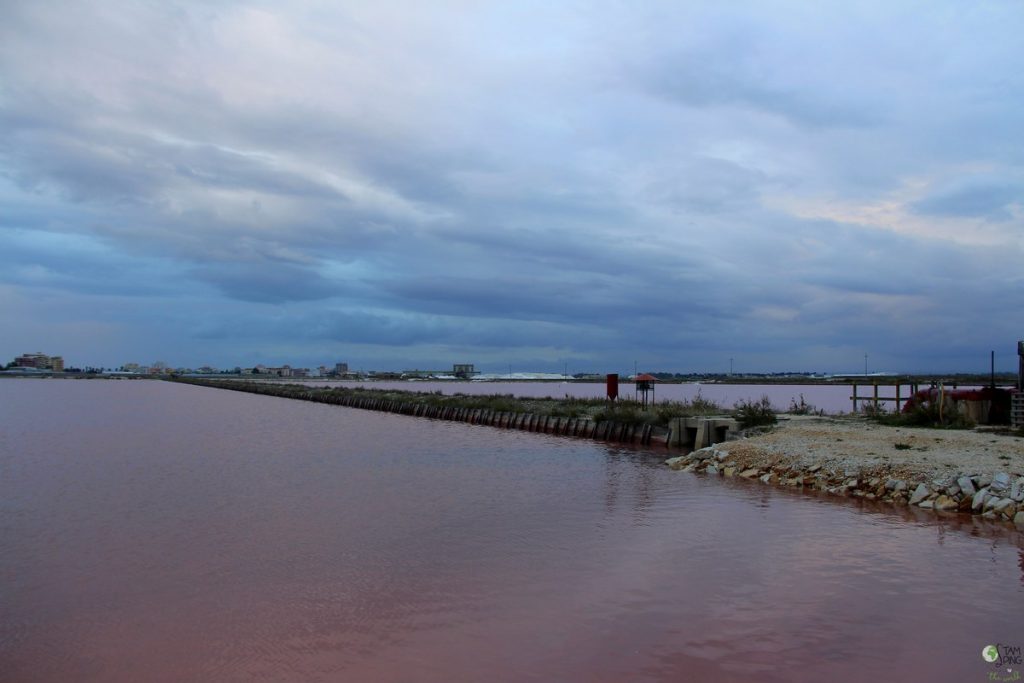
point(644, 386)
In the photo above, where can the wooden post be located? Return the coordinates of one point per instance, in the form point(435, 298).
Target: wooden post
point(897, 396)
point(875, 383)
point(855, 397)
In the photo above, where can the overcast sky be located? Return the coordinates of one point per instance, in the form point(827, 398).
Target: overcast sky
point(414, 184)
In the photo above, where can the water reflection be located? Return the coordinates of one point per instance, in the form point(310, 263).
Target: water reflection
point(639, 468)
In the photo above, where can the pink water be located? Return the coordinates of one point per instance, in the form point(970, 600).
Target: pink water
point(160, 532)
point(830, 398)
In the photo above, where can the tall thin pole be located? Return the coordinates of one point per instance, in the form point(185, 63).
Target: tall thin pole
point(1020, 366)
point(865, 365)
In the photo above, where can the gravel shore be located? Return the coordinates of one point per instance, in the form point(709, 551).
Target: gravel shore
point(920, 454)
point(979, 471)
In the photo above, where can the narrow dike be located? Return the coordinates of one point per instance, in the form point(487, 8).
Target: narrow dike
point(454, 408)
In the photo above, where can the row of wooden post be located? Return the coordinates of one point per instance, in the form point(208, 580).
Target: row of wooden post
point(875, 399)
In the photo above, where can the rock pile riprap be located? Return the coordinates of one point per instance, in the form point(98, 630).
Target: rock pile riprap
point(977, 472)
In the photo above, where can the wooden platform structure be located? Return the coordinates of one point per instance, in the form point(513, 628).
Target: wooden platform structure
point(873, 397)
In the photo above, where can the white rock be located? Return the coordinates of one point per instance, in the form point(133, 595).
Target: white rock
point(953, 489)
point(1000, 482)
point(721, 455)
point(967, 486)
point(920, 493)
point(1019, 519)
point(982, 481)
point(979, 500)
point(1017, 490)
point(712, 469)
point(1001, 504)
point(926, 504)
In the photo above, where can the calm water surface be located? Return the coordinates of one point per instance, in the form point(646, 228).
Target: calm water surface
point(828, 397)
point(160, 532)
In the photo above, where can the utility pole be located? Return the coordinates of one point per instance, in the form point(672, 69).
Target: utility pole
point(865, 364)
point(730, 367)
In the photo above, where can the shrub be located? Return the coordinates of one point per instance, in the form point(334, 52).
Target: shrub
point(703, 406)
point(668, 410)
point(803, 407)
point(922, 414)
point(566, 410)
point(662, 412)
point(620, 411)
point(754, 413)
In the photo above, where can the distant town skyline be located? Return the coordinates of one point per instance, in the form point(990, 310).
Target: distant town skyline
point(38, 362)
point(684, 186)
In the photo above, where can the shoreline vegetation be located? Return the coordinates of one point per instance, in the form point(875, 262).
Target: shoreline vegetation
point(947, 470)
point(596, 409)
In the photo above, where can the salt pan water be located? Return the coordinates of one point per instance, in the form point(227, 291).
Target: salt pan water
point(160, 532)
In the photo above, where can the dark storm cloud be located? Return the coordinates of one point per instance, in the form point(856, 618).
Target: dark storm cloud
point(269, 283)
point(82, 266)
